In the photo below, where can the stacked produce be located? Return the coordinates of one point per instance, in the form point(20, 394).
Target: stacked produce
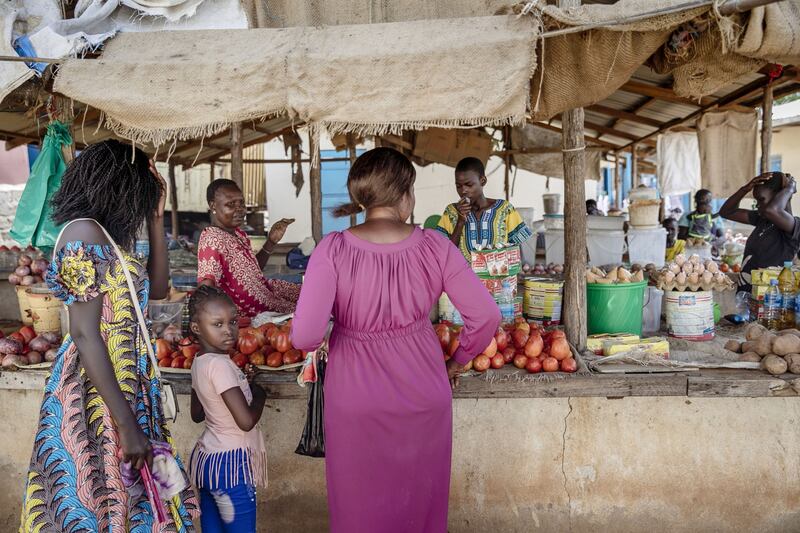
point(614, 275)
point(30, 270)
point(777, 353)
point(498, 266)
point(268, 345)
point(540, 269)
point(692, 274)
point(24, 347)
point(524, 345)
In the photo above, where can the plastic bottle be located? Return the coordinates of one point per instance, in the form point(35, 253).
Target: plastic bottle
point(786, 285)
point(772, 307)
point(506, 303)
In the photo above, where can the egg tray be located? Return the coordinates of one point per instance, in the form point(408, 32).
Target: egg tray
point(694, 287)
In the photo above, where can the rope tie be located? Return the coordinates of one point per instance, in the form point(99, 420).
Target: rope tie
point(576, 149)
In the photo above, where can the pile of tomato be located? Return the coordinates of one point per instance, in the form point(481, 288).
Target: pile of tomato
point(525, 345)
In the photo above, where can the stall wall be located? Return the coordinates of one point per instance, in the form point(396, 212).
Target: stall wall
point(561, 464)
point(786, 145)
point(434, 189)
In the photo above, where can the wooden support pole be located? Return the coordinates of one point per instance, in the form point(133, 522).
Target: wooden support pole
point(617, 182)
point(315, 188)
point(507, 162)
point(237, 154)
point(634, 166)
point(173, 196)
point(573, 143)
point(766, 128)
point(213, 167)
point(351, 149)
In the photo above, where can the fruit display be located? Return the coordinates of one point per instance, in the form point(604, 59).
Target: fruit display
point(613, 276)
point(267, 346)
point(692, 274)
point(25, 347)
point(30, 269)
point(522, 344)
point(777, 353)
point(540, 269)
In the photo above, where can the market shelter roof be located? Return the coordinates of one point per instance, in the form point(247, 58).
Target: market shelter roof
point(367, 79)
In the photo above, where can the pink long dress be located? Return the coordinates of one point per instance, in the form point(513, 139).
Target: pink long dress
point(388, 402)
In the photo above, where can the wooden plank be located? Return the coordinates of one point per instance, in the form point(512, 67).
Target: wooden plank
point(237, 166)
point(623, 115)
point(588, 138)
point(519, 384)
point(662, 93)
point(315, 188)
point(766, 128)
point(744, 383)
point(173, 196)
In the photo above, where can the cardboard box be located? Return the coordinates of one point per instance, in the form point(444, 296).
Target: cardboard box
point(655, 345)
point(594, 343)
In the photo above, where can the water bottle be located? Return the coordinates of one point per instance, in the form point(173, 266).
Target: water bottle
point(786, 285)
point(506, 303)
point(772, 307)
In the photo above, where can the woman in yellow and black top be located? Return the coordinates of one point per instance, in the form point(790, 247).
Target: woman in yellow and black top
point(476, 221)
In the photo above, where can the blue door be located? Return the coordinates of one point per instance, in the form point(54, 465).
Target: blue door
point(334, 190)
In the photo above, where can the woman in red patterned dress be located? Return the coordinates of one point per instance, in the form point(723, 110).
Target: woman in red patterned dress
point(226, 260)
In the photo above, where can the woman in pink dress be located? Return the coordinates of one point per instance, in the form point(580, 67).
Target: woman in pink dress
point(388, 401)
point(226, 260)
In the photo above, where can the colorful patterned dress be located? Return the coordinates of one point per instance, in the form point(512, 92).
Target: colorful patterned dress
point(74, 482)
point(228, 260)
point(501, 223)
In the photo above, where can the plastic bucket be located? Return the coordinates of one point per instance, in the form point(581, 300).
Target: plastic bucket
point(651, 315)
point(690, 315)
point(45, 311)
point(605, 247)
point(554, 246)
point(24, 305)
point(552, 203)
point(615, 308)
point(542, 300)
point(647, 246)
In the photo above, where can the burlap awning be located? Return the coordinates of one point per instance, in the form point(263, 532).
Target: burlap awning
point(548, 164)
point(367, 79)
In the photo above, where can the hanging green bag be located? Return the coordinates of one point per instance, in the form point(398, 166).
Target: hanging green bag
point(32, 222)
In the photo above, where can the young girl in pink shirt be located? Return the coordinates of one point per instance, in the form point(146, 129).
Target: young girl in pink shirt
point(229, 460)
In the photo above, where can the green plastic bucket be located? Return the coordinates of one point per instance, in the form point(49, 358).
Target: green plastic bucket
point(615, 308)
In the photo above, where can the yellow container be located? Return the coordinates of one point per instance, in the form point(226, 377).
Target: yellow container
point(45, 311)
point(542, 300)
point(24, 306)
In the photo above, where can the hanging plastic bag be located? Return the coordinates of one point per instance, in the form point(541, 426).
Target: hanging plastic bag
point(312, 443)
point(32, 222)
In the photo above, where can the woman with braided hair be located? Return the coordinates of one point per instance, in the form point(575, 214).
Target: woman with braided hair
point(102, 401)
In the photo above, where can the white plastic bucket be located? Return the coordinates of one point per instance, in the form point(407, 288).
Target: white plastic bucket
point(647, 246)
point(604, 222)
point(605, 247)
point(552, 203)
point(690, 315)
point(651, 313)
point(554, 246)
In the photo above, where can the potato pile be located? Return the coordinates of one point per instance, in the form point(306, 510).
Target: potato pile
point(777, 352)
point(615, 275)
point(692, 274)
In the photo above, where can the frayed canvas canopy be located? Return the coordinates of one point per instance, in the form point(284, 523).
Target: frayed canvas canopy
point(366, 79)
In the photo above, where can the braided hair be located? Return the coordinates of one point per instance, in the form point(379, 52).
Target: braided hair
point(202, 295)
point(110, 182)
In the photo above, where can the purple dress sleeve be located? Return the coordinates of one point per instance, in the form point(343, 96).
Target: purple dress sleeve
point(477, 307)
point(310, 323)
